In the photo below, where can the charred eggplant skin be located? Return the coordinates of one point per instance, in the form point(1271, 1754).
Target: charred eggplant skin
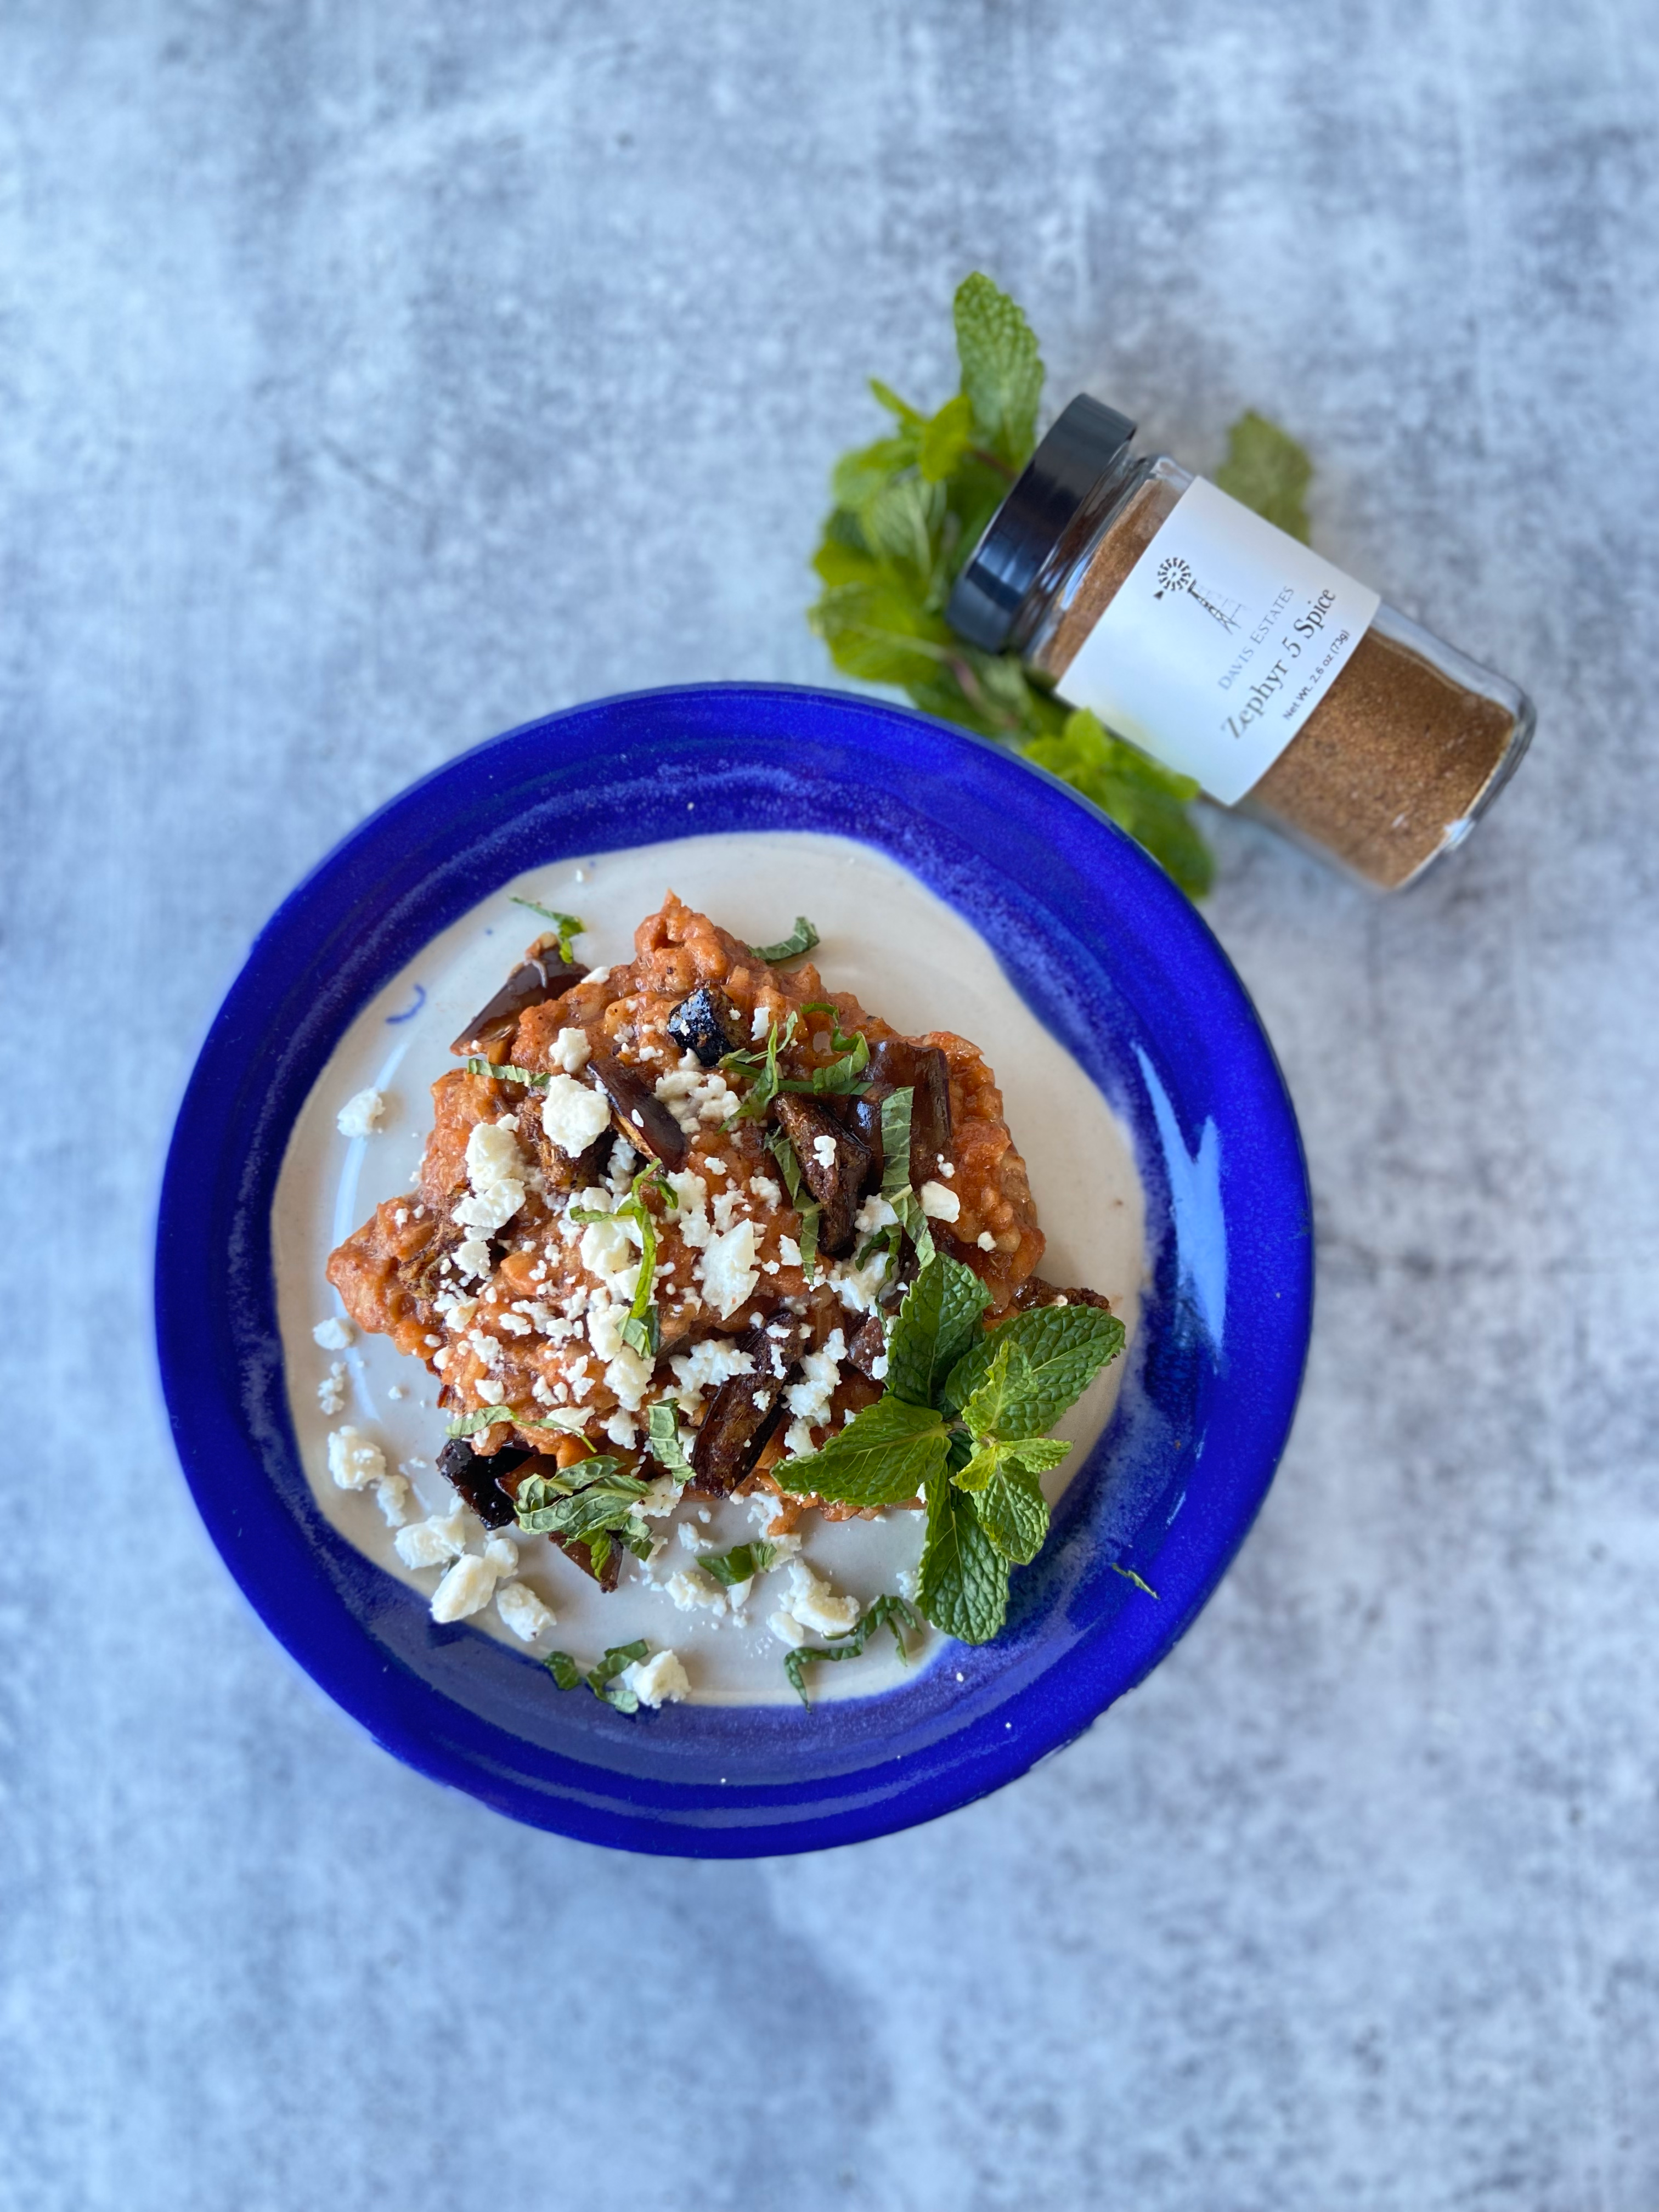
point(837, 1182)
point(707, 1024)
point(745, 1411)
point(478, 1478)
point(869, 1345)
point(542, 976)
point(639, 1115)
point(1034, 1292)
point(897, 1064)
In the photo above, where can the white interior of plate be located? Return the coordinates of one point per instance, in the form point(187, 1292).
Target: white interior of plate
point(908, 957)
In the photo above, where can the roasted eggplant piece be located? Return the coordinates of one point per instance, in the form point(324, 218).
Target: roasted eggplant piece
point(868, 1346)
point(559, 1171)
point(707, 1024)
point(835, 1165)
point(476, 1477)
point(896, 1064)
point(638, 1114)
point(746, 1409)
point(543, 975)
point(1034, 1292)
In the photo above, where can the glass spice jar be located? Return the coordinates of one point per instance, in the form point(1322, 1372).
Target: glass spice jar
point(1237, 656)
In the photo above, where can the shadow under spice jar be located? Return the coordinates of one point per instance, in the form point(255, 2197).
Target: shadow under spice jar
point(1237, 656)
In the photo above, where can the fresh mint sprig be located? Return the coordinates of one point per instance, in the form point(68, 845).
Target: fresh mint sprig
point(908, 510)
point(962, 1423)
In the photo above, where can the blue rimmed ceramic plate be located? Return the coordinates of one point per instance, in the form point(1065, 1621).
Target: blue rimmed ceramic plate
point(1116, 966)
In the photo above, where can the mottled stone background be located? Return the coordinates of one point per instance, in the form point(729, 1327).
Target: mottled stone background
point(373, 378)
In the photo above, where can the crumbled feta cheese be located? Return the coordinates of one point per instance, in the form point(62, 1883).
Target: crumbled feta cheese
point(875, 1213)
point(816, 1604)
point(361, 1116)
point(662, 1496)
point(473, 1258)
point(497, 1172)
point(466, 1588)
point(523, 1611)
point(823, 1151)
point(391, 1496)
point(767, 1192)
point(608, 1251)
point(939, 1202)
point(659, 1681)
point(433, 1543)
point(730, 1268)
point(706, 1366)
point(573, 1113)
point(759, 1023)
point(787, 1629)
point(906, 1581)
point(690, 1587)
point(334, 1334)
point(572, 1050)
point(809, 1399)
point(859, 1288)
point(725, 1209)
point(985, 1240)
point(332, 1390)
point(594, 975)
point(502, 1554)
point(353, 1460)
point(789, 1251)
point(629, 1376)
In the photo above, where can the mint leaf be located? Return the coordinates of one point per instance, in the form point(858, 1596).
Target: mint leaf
point(1012, 1509)
point(564, 1670)
point(937, 1324)
point(1001, 369)
point(568, 926)
point(662, 1439)
point(991, 1455)
point(881, 632)
point(883, 1457)
point(946, 439)
point(1060, 1351)
point(1130, 1576)
point(504, 1072)
point(897, 1111)
point(962, 1584)
point(602, 1678)
point(801, 938)
point(1266, 470)
point(739, 1563)
point(884, 1612)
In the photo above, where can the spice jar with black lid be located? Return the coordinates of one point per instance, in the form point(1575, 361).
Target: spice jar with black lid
point(1235, 654)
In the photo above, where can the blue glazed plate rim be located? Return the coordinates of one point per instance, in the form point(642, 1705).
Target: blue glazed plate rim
point(1107, 953)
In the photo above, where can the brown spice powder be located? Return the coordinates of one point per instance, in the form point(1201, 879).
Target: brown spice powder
point(1387, 765)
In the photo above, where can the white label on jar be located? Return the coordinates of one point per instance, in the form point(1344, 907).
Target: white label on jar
point(1222, 639)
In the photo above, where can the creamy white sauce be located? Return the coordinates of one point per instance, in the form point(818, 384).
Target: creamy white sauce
point(909, 958)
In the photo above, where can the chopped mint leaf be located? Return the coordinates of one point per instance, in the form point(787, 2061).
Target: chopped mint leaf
point(887, 1611)
point(763, 1068)
point(839, 1078)
point(505, 1072)
point(642, 1331)
point(914, 1222)
point(1060, 1350)
point(582, 1503)
point(603, 1678)
point(468, 1424)
point(962, 1584)
point(567, 924)
point(742, 1562)
point(811, 1215)
point(1130, 1576)
point(663, 1439)
point(896, 1113)
point(801, 938)
point(1001, 369)
point(883, 1457)
point(1268, 471)
point(938, 1324)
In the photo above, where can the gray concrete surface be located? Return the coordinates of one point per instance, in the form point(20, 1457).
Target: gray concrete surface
point(372, 379)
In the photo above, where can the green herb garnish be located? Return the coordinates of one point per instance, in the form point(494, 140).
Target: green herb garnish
point(601, 1680)
point(885, 1612)
point(962, 1423)
point(505, 1072)
point(801, 939)
point(591, 1503)
point(642, 1331)
point(807, 1206)
point(742, 1562)
point(910, 509)
point(663, 1440)
point(762, 1067)
point(568, 927)
point(567, 1423)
